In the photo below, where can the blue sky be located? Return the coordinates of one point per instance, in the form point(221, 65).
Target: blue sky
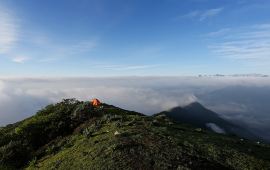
point(133, 37)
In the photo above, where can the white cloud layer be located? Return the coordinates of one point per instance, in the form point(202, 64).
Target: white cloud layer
point(244, 100)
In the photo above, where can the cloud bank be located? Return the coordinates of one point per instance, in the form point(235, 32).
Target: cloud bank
point(244, 100)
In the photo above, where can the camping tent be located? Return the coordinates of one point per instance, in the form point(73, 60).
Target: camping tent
point(95, 102)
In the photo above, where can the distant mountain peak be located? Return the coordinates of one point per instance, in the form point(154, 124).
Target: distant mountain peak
point(199, 116)
point(195, 105)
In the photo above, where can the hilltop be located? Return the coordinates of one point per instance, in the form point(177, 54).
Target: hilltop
point(75, 135)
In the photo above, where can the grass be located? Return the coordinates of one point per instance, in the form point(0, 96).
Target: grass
point(143, 142)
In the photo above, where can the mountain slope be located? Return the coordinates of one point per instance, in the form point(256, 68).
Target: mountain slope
point(74, 135)
point(247, 106)
point(199, 116)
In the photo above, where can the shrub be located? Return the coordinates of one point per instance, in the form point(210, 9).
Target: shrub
point(83, 112)
point(15, 153)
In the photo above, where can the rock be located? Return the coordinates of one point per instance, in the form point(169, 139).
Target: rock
point(198, 129)
point(155, 122)
point(116, 133)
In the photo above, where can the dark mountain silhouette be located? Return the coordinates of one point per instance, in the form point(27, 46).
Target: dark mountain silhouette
point(247, 106)
point(199, 116)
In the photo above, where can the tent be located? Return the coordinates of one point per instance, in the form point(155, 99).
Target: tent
point(95, 102)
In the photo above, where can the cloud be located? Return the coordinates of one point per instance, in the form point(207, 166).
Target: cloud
point(248, 104)
point(44, 50)
point(229, 108)
point(10, 36)
point(16, 105)
point(40, 47)
point(192, 14)
point(220, 32)
point(210, 13)
point(84, 46)
point(125, 67)
point(19, 98)
point(202, 15)
point(251, 44)
point(245, 105)
point(215, 128)
point(70, 50)
point(8, 31)
point(20, 59)
point(17, 42)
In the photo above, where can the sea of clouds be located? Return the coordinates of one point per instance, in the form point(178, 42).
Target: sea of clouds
point(243, 100)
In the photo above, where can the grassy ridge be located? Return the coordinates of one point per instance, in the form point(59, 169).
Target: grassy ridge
point(74, 135)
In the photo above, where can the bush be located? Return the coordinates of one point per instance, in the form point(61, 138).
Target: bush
point(19, 141)
point(87, 132)
point(48, 124)
point(15, 153)
point(83, 112)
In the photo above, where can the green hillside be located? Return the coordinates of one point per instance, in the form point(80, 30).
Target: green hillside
point(74, 135)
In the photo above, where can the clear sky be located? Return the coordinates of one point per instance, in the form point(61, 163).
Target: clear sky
point(134, 37)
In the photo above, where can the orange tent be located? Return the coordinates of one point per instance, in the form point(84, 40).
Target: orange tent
point(95, 102)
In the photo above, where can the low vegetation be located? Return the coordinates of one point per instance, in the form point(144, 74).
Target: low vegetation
point(75, 135)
